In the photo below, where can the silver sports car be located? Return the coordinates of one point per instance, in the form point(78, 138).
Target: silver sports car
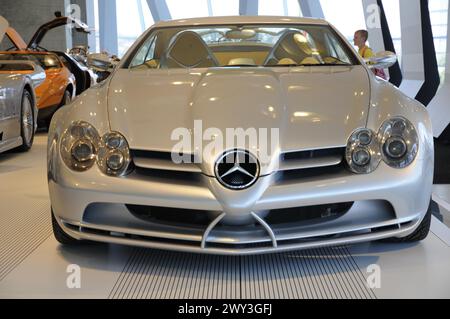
point(18, 110)
point(241, 135)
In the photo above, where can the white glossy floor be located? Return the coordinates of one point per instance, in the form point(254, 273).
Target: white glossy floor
point(33, 265)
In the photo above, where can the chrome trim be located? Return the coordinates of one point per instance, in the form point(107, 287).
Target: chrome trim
point(267, 228)
point(210, 228)
point(290, 165)
point(166, 165)
point(350, 238)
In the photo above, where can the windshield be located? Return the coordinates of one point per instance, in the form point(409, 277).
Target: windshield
point(231, 46)
point(46, 61)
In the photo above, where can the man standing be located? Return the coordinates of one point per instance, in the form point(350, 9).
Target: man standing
point(360, 40)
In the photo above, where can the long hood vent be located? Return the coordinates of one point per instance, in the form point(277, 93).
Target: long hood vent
point(311, 159)
point(162, 161)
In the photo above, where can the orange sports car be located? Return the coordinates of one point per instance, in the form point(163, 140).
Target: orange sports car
point(59, 86)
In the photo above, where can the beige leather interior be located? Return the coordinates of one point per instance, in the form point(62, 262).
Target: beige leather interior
point(241, 61)
point(292, 45)
point(188, 50)
point(286, 61)
point(224, 57)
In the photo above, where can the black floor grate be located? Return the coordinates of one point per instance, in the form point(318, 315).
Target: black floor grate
point(327, 273)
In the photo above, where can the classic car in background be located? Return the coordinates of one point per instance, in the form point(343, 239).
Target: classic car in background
point(58, 88)
point(353, 161)
point(18, 103)
point(65, 79)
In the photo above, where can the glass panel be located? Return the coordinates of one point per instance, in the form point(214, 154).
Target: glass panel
point(392, 10)
point(279, 8)
point(133, 18)
point(97, 28)
point(243, 46)
point(439, 19)
point(187, 9)
point(225, 7)
point(338, 13)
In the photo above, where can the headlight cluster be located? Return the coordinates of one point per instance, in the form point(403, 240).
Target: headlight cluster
point(82, 147)
point(396, 143)
point(363, 151)
point(400, 142)
point(114, 157)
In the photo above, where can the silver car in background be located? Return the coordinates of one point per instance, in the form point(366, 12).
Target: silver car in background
point(353, 161)
point(18, 104)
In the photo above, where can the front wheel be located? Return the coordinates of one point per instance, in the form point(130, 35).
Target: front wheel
point(61, 236)
point(419, 234)
point(27, 124)
point(67, 98)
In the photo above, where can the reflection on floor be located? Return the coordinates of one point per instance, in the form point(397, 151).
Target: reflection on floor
point(33, 265)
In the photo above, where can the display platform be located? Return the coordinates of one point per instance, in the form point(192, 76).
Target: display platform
point(34, 265)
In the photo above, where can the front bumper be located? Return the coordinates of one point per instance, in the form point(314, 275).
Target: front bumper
point(387, 203)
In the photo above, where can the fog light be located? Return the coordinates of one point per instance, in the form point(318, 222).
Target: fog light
point(395, 147)
point(361, 157)
point(115, 161)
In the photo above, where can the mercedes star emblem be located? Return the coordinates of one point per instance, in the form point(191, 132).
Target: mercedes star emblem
point(237, 169)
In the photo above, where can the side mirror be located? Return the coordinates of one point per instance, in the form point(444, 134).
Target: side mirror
point(382, 60)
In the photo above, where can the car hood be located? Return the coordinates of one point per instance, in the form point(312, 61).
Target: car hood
point(313, 107)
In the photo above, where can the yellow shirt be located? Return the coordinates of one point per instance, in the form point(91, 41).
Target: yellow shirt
point(366, 52)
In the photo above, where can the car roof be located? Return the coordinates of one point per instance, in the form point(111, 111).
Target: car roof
point(240, 20)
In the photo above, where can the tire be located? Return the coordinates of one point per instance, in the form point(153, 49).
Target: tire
point(66, 99)
point(27, 123)
point(61, 236)
point(419, 234)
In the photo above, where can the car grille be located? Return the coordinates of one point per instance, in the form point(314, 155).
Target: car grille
point(195, 218)
point(293, 165)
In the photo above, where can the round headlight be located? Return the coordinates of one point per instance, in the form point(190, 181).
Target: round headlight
point(114, 156)
point(79, 146)
point(113, 141)
point(83, 151)
point(361, 157)
point(395, 147)
point(365, 137)
point(363, 152)
point(400, 142)
point(115, 161)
